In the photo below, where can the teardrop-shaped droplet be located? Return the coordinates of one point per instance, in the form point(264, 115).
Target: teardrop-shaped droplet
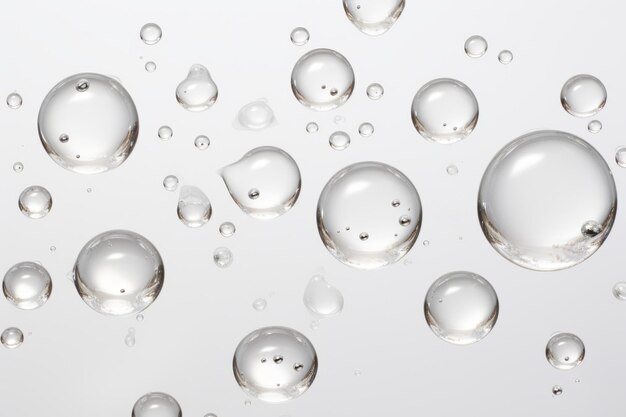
point(373, 17)
point(194, 208)
point(198, 91)
point(256, 115)
point(321, 298)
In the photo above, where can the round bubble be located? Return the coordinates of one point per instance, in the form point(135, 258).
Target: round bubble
point(583, 95)
point(299, 36)
point(475, 46)
point(157, 404)
point(35, 202)
point(373, 17)
point(27, 285)
point(12, 338)
point(150, 33)
point(565, 351)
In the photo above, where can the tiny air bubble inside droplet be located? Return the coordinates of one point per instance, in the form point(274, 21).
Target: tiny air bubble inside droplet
point(475, 46)
point(557, 390)
point(373, 17)
point(565, 351)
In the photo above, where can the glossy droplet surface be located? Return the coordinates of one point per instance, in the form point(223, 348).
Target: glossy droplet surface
point(461, 307)
point(620, 156)
point(339, 140)
point(18, 167)
point(202, 142)
point(157, 404)
point(170, 183)
point(256, 115)
point(583, 95)
point(557, 390)
point(194, 208)
point(35, 202)
point(274, 175)
point(118, 272)
point(444, 111)
point(322, 79)
point(358, 200)
point(165, 133)
point(150, 33)
point(565, 351)
point(150, 66)
point(14, 101)
point(227, 229)
point(375, 91)
point(452, 169)
point(619, 291)
point(27, 285)
point(222, 257)
point(12, 337)
point(475, 46)
point(265, 363)
point(321, 298)
point(505, 57)
point(198, 91)
point(299, 36)
point(529, 223)
point(88, 123)
point(594, 126)
point(312, 127)
point(366, 129)
point(373, 17)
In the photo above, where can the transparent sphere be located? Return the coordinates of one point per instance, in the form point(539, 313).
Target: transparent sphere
point(357, 220)
point(322, 79)
point(157, 404)
point(461, 307)
point(118, 273)
point(275, 364)
point(12, 337)
point(505, 57)
point(475, 46)
point(583, 95)
point(619, 291)
point(565, 351)
point(165, 133)
point(194, 208)
point(524, 217)
point(444, 111)
point(373, 17)
point(150, 33)
point(150, 66)
point(88, 123)
point(594, 126)
point(299, 36)
point(312, 127)
point(35, 202)
point(14, 101)
point(27, 285)
point(202, 142)
point(366, 129)
point(339, 140)
point(375, 91)
point(227, 229)
point(170, 183)
point(18, 167)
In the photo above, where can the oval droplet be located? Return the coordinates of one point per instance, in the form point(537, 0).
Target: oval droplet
point(565, 351)
point(202, 142)
point(321, 298)
point(583, 95)
point(505, 57)
point(373, 17)
point(194, 208)
point(35, 202)
point(198, 91)
point(27, 285)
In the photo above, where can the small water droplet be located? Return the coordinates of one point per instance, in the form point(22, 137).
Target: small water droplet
point(339, 140)
point(227, 229)
point(129, 340)
point(247, 403)
point(366, 129)
point(12, 338)
point(18, 167)
point(256, 115)
point(198, 91)
point(165, 133)
point(373, 17)
point(583, 95)
point(139, 317)
point(14, 101)
point(557, 390)
point(194, 208)
point(375, 91)
point(299, 36)
point(475, 46)
point(452, 169)
point(619, 291)
point(170, 183)
point(312, 127)
point(150, 33)
point(150, 66)
point(565, 351)
point(321, 298)
point(222, 257)
point(156, 404)
point(259, 304)
point(27, 285)
point(35, 202)
point(505, 57)
point(594, 126)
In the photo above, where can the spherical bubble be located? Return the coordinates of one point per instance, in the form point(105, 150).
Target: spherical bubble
point(150, 66)
point(375, 91)
point(119, 272)
point(444, 111)
point(619, 291)
point(322, 79)
point(150, 33)
point(194, 208)
point(14, 101)
point(366, 129)
point(373, 17)
point(557, 390)
point(165, 133)
point(299, 36)
point(198, 91)
point(170, 183)
point(157, 404)
point(259, 304)
point(529, 223)
point(357, 221)
point(594, 126)
point(275, 364)
point(202, 142)
point(312, 127)
point(256, 115)
point(222, 257)
point(461, 307)
point(475, 46)
point(35, 202)
point(452, 169)
point(227, 229)
point(583, 95)
point(620, 156)
point(18, 167)
point(27, 285)
point(12, 337)
point(339, 140)
point(88, 123)
point(505, 57)
point(565, 351)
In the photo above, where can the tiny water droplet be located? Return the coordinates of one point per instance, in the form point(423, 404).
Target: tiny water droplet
point(198, 91)
point(505, 57)
point(27, 285)
point(35, 202)
point(12, 338)
point(591, 229)
point(129, 340)
point(170, 183)
point(259, 304)
point(404, 221)
point(165, 133)
point(14, 101)
point(312, 127)
point(150, 33)
point(299, 36)
point(321, 298)
point(202, 142)
point(18, 167)
point(139, 317)
point(194, 208)
point(256, 115)
point(475, 46)
point(619, 291)
point(375, 91)
point(339, 140)
point(583, 95)
point(227, 229)
point(222, 257)
point(594, 126)
point(366, 129)
point(150, 66)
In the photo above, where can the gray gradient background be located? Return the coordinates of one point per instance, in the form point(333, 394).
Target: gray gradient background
point(74, 361)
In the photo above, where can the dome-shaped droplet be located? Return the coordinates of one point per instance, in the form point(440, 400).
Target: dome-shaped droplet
point(14, 101)
point(157, 404)
point(565, 351)
point(150, 33)
point(118, 272)
point(198, 91)
point(461, 307)
point(373, 17)
point(202, 142)
point(170, 183)
point(358, 199)
point(272, 173)
point(366, 129)
point(35, 202)
point(444, 111)
point(620, 156)
point(375, 91)
point(227, 229)
point(18, 167)
point(299, 36)
point(619, 291)
point(264, 364)
point(475, 46)
point(583, 95)
point(452, 169)
point(529, 223)
point(256, 115)
point(339, 140)
point(27, 285)
point(194, 208)
point(88, 123)
point(312, 127)
point(505, 57)
point(322, 79)
point(165, 132)
point(557, 390)
point(594, 126)
point(150, 66)
point(12, 337)
point(222, 257)
point(321, 298)
point(259, 304)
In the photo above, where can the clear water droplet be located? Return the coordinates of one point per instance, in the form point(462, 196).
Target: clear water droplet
point(475, 46)
point(275, 381)
point(247, 403)
point(12, 338)
point(299, 36)
point(373, 17)
point(18, 167)
point(452, 169)
point(202, 142)
point(375, 91)
point(583, 95)
point(505, 57)
point(253, 194)
point(129, 340)
point(339, 119)
point(557, 390)
point(150, 33)
point(150, 66)
point(194, 208)
point(366, 129)
point(101, 121)
point(198, 91)
point(227, 229)
point(322, 79)
point(526, 221)
point(139, 317)
point(53, 248)
point(359, 195)
point(339, 140)
point(312, 127)
point(256, 115)
point(27, 285)
point(273, 173)
point(565, 351)
point(620, 156)
point(14, 101)
point(157, 404)
point(165, 133)
point(444, 111)
point(321, 298)
point(35, 202)
point(619, 291)
point(210, 415)
point(170, 183)
point(222, 257)
point(461, 307)
point(404, 220)
point(594, 126)
point(118, 272)
point(259, 304)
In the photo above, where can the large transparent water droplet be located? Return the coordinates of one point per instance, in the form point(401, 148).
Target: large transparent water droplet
point(201, 142)
point(118, 272)
point(373, 17)
point(150, 33)
point(198, 91)
point(256, 115)
point(12, 338)
point(529, 223)
point(157, 404)
point(194, 208)
point(264, 364)
point(35, 202)
point(565, 351)
point(321, 298)
point(461, 307)
point(88, 123)
point(444, 111)
point(357, 200)
point(475, 46)
point(272, 174)
point(583, 95)
point(27, 285)
point(322, 79)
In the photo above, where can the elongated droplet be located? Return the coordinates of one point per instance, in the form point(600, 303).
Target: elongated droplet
point(321, 298)
point(373, 17)
point(194, 208)
point(198, 91)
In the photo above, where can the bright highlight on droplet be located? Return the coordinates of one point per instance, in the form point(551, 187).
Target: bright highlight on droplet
point(27, 285)
point(256, 115)
point(475, 46)
point(583, 95)
point(565, 351)
point(339, 140)
point(505, 57)
point(375, 91)
point(198, 91)
point(12, 338)
point(373, 17)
